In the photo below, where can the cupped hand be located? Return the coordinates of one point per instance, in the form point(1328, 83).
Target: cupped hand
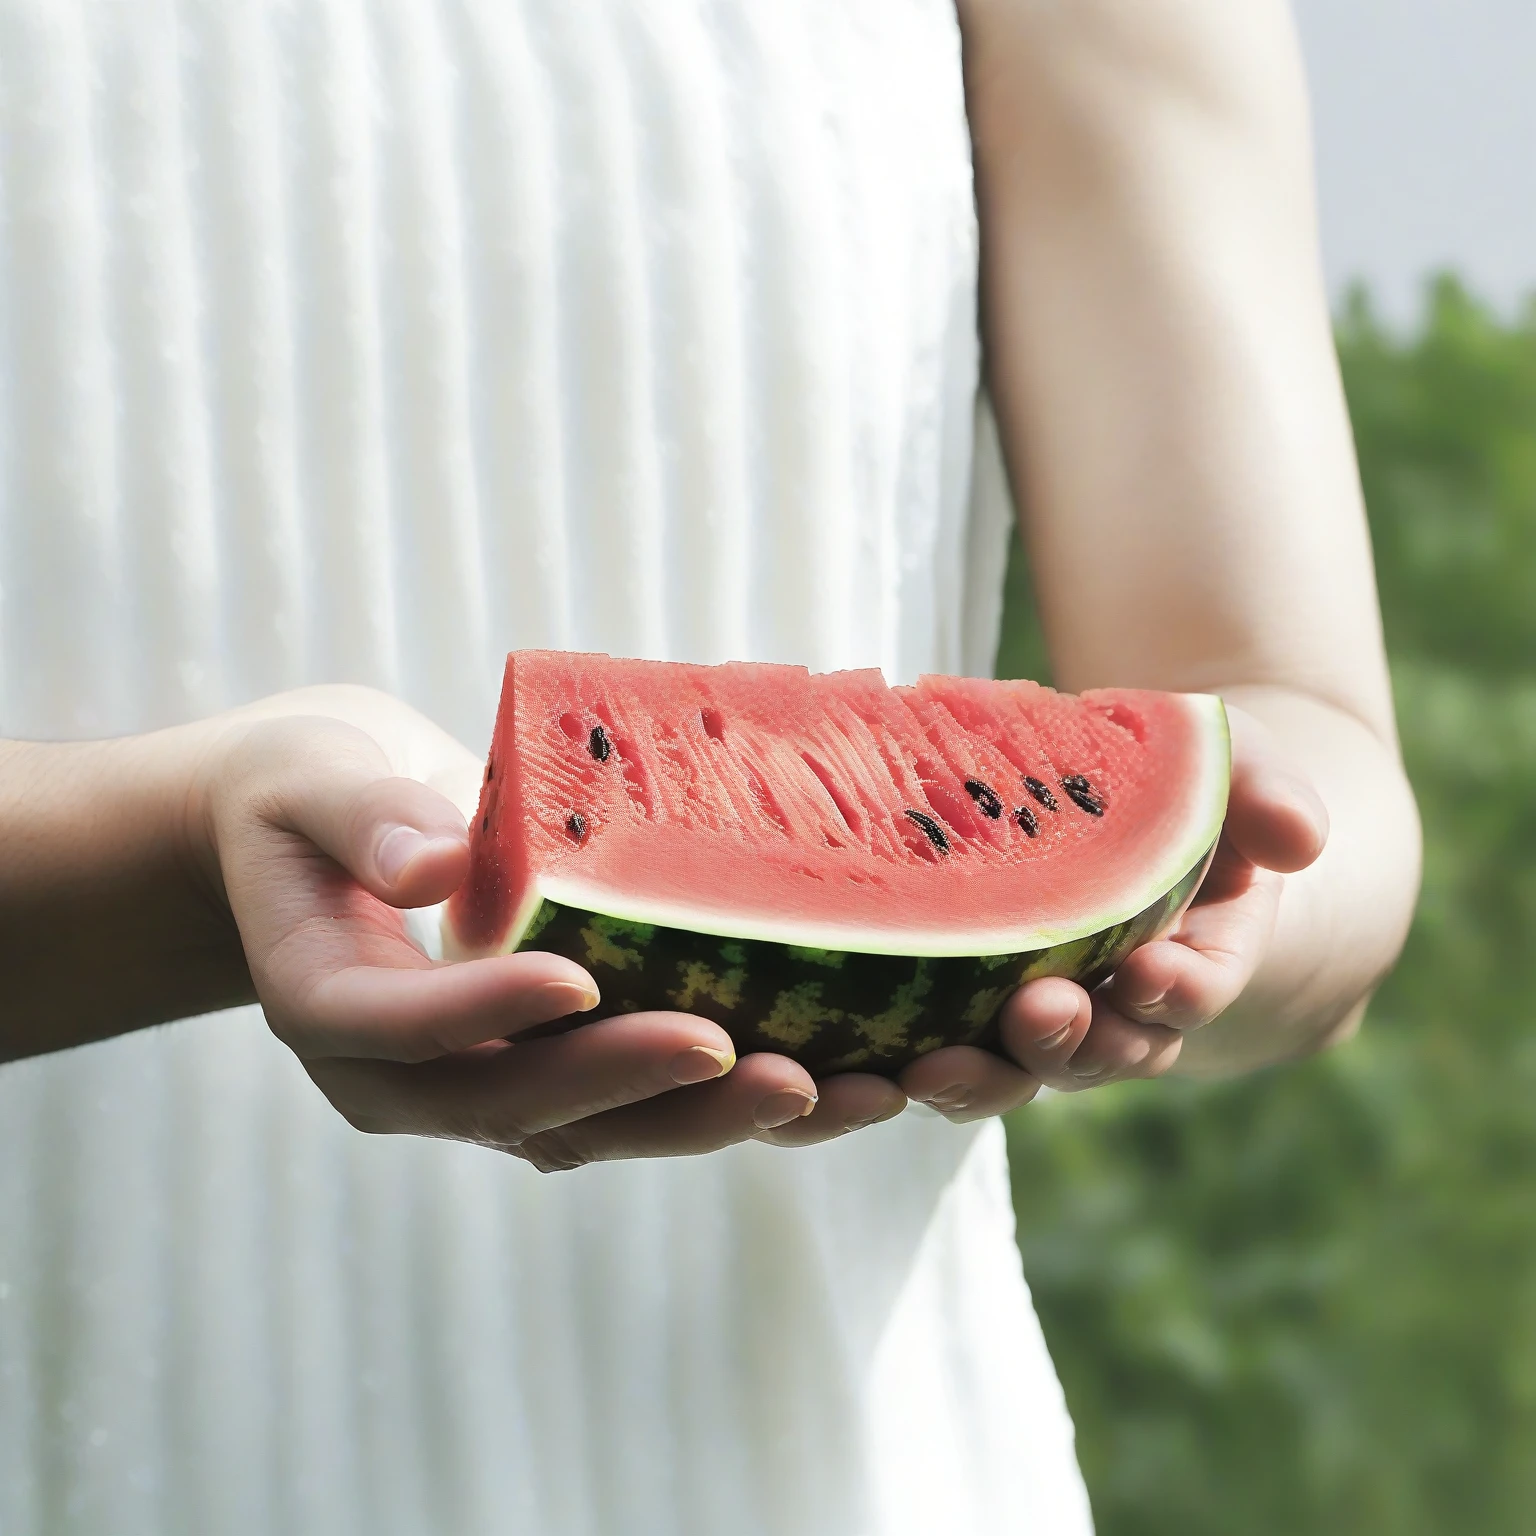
point(1056, 1034)
point(321, 816)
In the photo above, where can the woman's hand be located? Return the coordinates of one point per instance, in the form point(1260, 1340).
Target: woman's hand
point(1135, 1024)
point(1159, 355)
point(319, 816)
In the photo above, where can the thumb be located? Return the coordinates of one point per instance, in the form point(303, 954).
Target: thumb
point(1275, 816)
point(332, 784)
point(399, 839)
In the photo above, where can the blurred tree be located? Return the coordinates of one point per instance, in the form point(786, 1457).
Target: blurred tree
point(1306, 1301)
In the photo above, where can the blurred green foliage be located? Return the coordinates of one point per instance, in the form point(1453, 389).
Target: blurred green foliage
point(1306, 1301)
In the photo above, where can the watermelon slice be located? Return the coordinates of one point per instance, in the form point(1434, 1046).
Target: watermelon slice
point(848, 873)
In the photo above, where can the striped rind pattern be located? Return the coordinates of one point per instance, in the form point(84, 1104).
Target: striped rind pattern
point(829, 1009)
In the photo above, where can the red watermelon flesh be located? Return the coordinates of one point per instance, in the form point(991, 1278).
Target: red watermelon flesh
point(832, 812)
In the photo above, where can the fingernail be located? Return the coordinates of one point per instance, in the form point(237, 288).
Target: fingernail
point(563, 997)
point(400, 846)
point(698, 1064)
point(890, 1112)
point(1155, 1005)
point(952, 1100)
point(1059, 1039)
point(396, 849)
point(1086, 1074)
point(780, 1108)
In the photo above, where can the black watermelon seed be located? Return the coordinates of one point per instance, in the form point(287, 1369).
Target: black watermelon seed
point(1026, 819)
point(576, 825)
point(490, 772)
point(1082, 795)
point(485, 822)
point(598, 744)
point(1041, 792)
point(985, 797)
point(931, 829)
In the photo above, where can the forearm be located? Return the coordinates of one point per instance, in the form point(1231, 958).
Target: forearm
point(1341, 922)
point(1159, 350)
point(108, 919)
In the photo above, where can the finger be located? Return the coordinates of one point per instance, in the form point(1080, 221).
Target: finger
point(763, 1092)
point(964, 1083)
point(1067, 1040)
point(331, 784)
point(506, 1094)
point(400, 840)
point(850, 1101)
point(1229, 875)
point(1043, 1023)
point(413, 1015)
point(1116, 1048)
point(1185, 981)
point(1275, 816)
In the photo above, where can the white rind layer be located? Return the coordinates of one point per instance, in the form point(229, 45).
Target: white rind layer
point(1205, 810)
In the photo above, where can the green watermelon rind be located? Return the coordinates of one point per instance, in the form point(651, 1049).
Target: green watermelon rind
point(845, 999)
point(832, 1010)
point(1186, 849)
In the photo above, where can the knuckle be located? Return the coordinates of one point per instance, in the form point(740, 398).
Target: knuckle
point(360, 1114)
point(787, 1139)
point(368, 1122)
point(364, 1094)
point(1057, 1076)
point(550, 1151)
point(361, 1110)
point(501, 1133)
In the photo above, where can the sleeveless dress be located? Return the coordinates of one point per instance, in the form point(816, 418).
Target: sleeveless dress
point(366, 340)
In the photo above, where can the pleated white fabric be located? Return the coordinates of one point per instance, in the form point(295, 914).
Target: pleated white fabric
point(366, 340)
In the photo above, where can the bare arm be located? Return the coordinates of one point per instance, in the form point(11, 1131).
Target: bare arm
point(107, 923)
point(264, 855)
point(1160, 355)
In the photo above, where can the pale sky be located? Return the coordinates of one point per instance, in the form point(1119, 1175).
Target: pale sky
point(1425, 120)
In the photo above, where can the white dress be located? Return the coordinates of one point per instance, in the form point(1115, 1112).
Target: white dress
point(366, 340)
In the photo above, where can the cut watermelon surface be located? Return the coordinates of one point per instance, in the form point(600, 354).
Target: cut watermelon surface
point(849, 873)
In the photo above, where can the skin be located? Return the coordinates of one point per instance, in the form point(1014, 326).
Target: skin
point(267, 856)
point(1160, 357)
point(1159, 354)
